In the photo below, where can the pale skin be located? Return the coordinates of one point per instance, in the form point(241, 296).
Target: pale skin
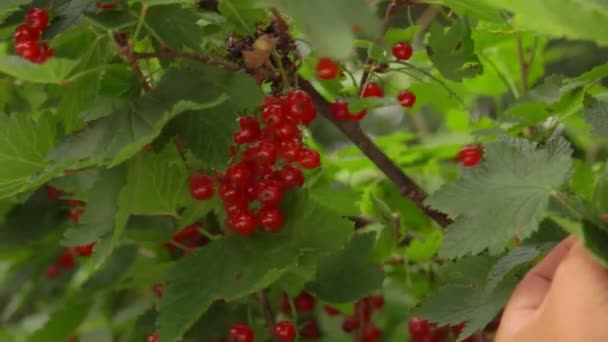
point(564, 298)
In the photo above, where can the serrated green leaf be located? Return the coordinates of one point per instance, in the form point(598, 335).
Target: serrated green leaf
point(349, 274)
point(328, 25)
point(65, 320)
point(452, 51)
point(176, 26)
point(596, 115)
point(12, 5)
point(244, 15)
point(114, 270)
point(518, 256)
point(100, 216)
point(54, 71)
point(507, 195)
point(158, 183)
point(234, 267)
point(115, 138)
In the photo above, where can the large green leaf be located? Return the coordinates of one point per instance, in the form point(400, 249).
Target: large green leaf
point(555, 17)
point(242, 14)
point(116, 138)
point(234, 267)
point(474, 8)
point(65, 320)
point(452, 51)
point(328, 25)
point(54, 71)
point(596, 115)
point(506, 196)
point(176, 26)
point(348, 274)
point(158, 183)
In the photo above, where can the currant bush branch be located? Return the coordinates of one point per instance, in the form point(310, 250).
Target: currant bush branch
point(187, 55)
point(126, 51)
point(268, 314)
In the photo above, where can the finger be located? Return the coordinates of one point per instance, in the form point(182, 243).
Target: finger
point(532, 289)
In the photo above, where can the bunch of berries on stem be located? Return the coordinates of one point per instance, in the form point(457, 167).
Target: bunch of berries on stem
point(27, 37)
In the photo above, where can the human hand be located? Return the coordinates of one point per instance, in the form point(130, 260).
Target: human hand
point(563, 298)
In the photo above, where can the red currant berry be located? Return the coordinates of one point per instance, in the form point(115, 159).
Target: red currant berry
point(291, 177)
point(418, 327)
point(371, 333)
point(305, 302)
point(300, 107)
point(158, 289)
point(24, 33)
point(76, 203)
point(285, 331)
point(106, 6)
point(457, 329)
point(66, 259)
point(37, 18)
point(285, 305)
point(250, 131)
point(188, 233)
point(350, 324)
point(359, 116)
point(270, 193)
point(372, 89)
point(406, 98)
point(241, 333)
point(53, 193)
point(239, 173)
point(45, 53)
point(331, 311)
point(327, 69)
point(402, 51)
point(52, 272)
point(363, 310)
point(243, 222)
point(309, 159)
point(340, 110)
point(273, 115)
point(470, 155)
point(235, 207)
point(230, 193)
point(310, 329)
point(201, 186)
point(74, 214)
point(286, 131)
point(271, 219)
point(377, 302)
point(29, 50)
point(85, 250)
point(153, 338)
point(290, 150)
point(266, 152)
point(437, 334)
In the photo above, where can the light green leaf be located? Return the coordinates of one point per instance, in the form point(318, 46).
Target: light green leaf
point(507, 195)
point(596, 115)
point(176, 26)
point(328, 25)
point(234, 267)
point(452, 51)
point(474, 8)
point(349, 274)
point(157, 183)
point(54, 71)
point(65, 320)
point(244, 15)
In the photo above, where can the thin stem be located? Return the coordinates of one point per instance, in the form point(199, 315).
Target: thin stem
point(186, 55)
point(268, 314)
point(406, 185)
point(126, 50)
point(565, 203)
point(434, 78)
point(524, 67)
point(140, 21)
point(206, 234)
point(502, 76)
point(279, 63)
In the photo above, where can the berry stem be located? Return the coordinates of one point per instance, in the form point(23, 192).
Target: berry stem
point(268, 314)
point(206, 234)
point(407, 187)
point(140, 21)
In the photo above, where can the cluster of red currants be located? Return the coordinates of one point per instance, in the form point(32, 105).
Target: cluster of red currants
point(189, 237)
point(327, 69)
point(67, 259)
point(27, 37)
point(75, 206)
point(421, 330)
point(361, 321)
point(267, 161)
point(470, 155)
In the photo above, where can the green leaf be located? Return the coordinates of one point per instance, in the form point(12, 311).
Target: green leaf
point(234, 267)
point(101, 211)
point(116, 138)
point(244, 15)
point(452, 51)
point(474, 8)
point(65, 320)
point(114, 270)
point(557, 19)
point(596, 239)
point(464, 299)
point(111, 20)
point(596, 115)
point(519, 256)
point(349, 274)
point(54, 71)
point(507, 195)
point(176, 26)
point(12, 5)
point(157, 183)
point(328, 25)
